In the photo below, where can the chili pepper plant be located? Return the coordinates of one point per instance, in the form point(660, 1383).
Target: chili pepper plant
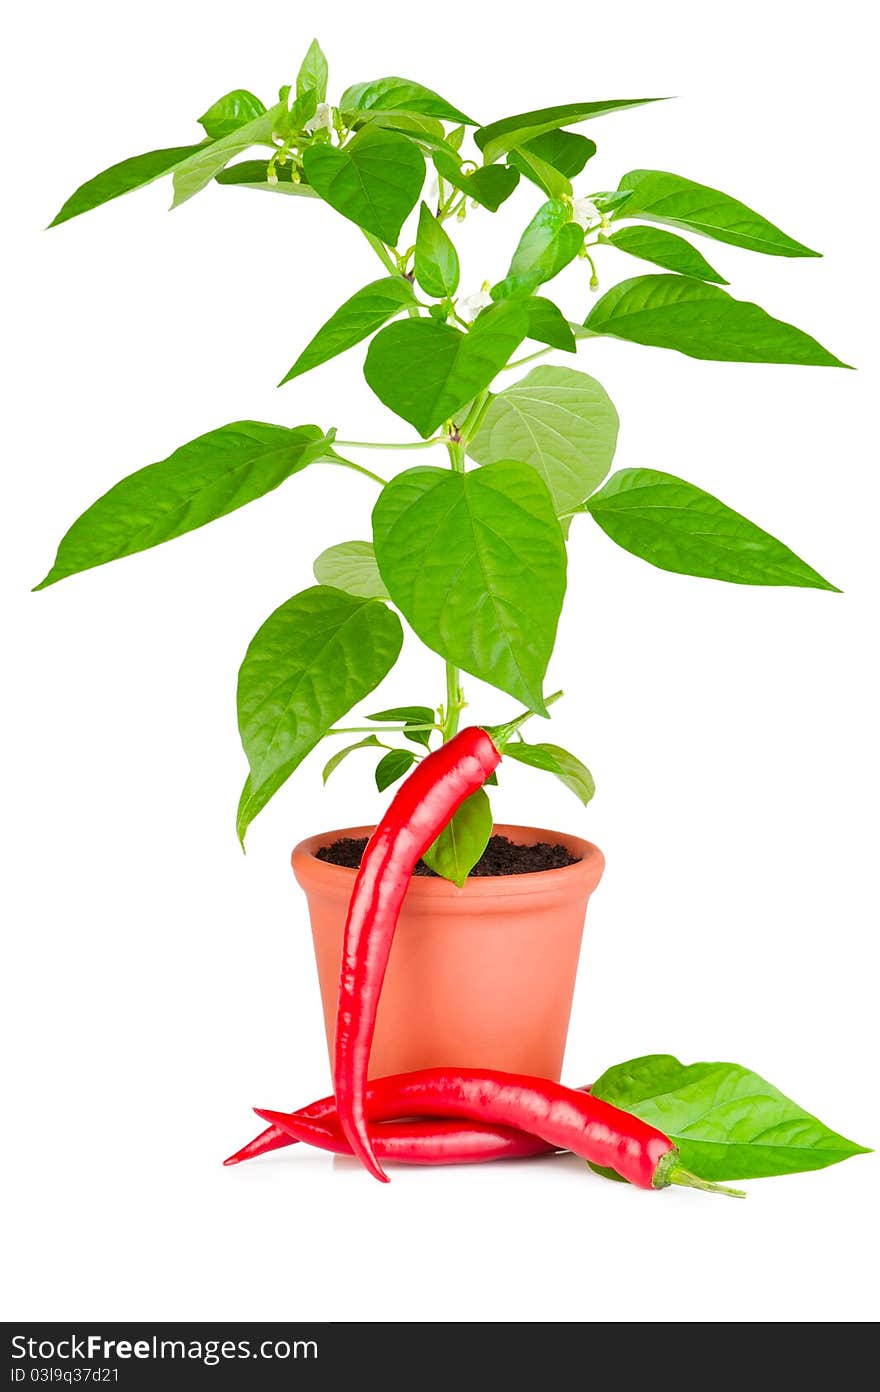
point(468, 542)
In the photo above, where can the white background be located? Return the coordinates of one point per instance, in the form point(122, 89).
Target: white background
point(158, 983)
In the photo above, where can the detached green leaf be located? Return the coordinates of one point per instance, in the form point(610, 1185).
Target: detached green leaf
point(552, 758)
point(668, 198)
point(230, 113)
point(333, 763)
point(663, 249)
point(496, 139)
point(425, 371)
point(547, 324)
point(360, 316)
point(375, 181)
point(728, 1122)
point(436, 260)
point(561, 151)
point(253, 174)
point(462, 841)
point(413, 715)
point(559, 421)
point(351, 566)
point(398, 95)
point(676, 526)
point(205, 479)
point(313, 73)
point(121, 178)
point(392, 766)
point(549, 242)
point(197, 171)
point(702, 321)
point(476, 564)
point(490, 186)
point(313, 659)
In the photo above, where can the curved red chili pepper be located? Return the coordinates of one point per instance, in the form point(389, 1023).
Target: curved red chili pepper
point(421, 808)
point(565, 1118)
point(430, 1142)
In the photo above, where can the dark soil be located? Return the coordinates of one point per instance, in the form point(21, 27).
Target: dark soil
point(501, 857)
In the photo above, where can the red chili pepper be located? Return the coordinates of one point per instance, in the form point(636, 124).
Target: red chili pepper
point(563, 1117)
point(419, 811)
point(430, 1142)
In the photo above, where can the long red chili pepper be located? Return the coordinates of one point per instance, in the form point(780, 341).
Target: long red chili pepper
point(563, 1117)
point(431, 1142)
point(419, 811)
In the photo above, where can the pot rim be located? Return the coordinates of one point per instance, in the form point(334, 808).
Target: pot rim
point(314, 873)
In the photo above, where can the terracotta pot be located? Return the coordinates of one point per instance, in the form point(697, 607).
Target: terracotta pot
point(481, 976)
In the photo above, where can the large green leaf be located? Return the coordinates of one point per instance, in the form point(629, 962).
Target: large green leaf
point(678, 527)
point(254, 174)
point(547, 245)
point(310, 662)
point(230, 113)
point(668, 198)
point(398, 95)
point(436, 260)
point(728, 1122)
point(202, 480)
point(560, 150)
point(552, 758)
point(559, 421)
point(197, 171)
point(313, 73)
point(476, 564)
point(490, 186)
point(351, 566)
point(663, 249)
point(122, 178)
point(425, 371)
point(375, 180)
point(367, 310)
point(499, 137)
point(462, 841)
point(547, 324)
point(702, 321)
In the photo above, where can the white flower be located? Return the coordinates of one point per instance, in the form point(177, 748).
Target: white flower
point(471, 305)
point(584, 211)
point(322, 119)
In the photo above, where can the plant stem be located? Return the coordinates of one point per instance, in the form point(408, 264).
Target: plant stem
point(379, 729)
point(359, 469)
point(530, 357)
point(455, 701)
point(382, 252)
point(502, 733)
point(376, 444)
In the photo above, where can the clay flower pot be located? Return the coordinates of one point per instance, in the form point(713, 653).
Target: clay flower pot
point(481, 976)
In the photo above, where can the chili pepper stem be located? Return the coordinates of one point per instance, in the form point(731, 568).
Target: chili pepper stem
point(501, 734)
point(690, 1181)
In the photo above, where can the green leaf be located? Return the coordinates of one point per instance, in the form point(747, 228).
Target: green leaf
point(313, 659)
point(254, 174)
point(436, 260)
point(333, 763)
point(425, 129)
point(547, 324)
point(551, 758)
point(499, 137)
point(205, 479)
point(476, 564)
point(663, 249)
point(197, 171)
point(490, 186)
point(394, 765)
point(313, 73)
point(398, 95)
point(560, 422)
point(560, 151)
point(668, 198)
point(230, 113)
point(549, 242)
point(425, 371)
point(728, 1122)
point(413, 715)
point(351, 566)
point(702, 321)
point(122, 178)
point(375, 181)
point(462, 841)
point(676, 526)
point(297, 119)
point(360, 316)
